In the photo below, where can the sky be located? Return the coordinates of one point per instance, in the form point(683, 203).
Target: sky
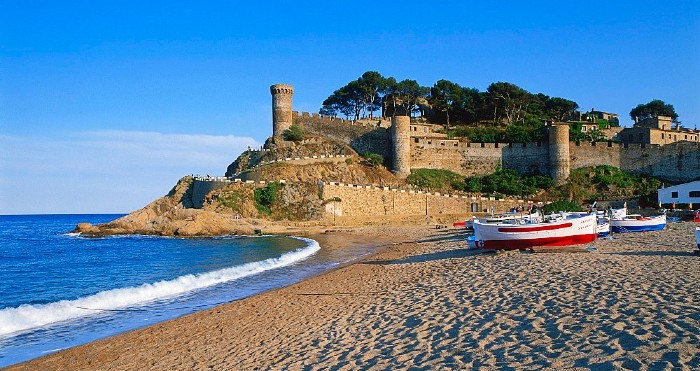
point(105, 105)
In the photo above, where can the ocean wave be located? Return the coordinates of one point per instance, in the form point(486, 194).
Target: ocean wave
point(27, 317)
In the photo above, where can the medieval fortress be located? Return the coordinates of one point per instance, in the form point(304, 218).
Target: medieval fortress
point(413, 145)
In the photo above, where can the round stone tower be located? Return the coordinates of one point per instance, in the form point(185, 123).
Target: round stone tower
point(401, 141)
point(281, 108)
point(559, 158)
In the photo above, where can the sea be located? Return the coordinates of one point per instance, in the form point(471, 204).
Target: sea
point(60, 289)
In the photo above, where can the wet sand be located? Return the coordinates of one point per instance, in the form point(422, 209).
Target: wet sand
point(424, 301)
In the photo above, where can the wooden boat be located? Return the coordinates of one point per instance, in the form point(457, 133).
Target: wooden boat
point(569, 229)
point(507, 217)
point(638, 223)
point(603, 227)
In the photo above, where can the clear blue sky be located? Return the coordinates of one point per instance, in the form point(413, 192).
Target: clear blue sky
point(104, 105)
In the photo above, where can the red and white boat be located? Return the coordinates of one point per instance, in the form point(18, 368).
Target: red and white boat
point(569, 229)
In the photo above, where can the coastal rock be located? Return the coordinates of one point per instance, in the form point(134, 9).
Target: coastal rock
point(86, 228)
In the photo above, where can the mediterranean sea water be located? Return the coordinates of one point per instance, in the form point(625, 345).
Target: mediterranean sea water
point(59, 290)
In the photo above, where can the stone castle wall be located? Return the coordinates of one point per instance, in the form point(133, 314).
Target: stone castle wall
point(477, 158)
point(353, 202)
point(370, 201)
point(678, 162)
point(361, 136)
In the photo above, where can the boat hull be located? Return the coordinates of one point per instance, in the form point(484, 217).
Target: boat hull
point(603, 229)
point(570, 231)
point(638, 225)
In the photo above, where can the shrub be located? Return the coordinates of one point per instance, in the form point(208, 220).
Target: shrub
point(508, 182)
point(373, 159)
point(294, 133)
point(266, 197)
point(435, 179)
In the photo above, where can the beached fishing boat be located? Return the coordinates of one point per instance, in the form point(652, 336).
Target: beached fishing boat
point(603, 227)
point(569, 229)
point(507, 217)
point(638, 223)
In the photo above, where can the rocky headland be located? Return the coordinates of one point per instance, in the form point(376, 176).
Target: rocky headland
point(235, 209)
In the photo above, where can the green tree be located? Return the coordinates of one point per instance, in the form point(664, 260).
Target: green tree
point(654, 108)
point(373, 159)
point(409, 93)
point(508, 102)
point(373, 86)
point(559, 109)
point(445, 96)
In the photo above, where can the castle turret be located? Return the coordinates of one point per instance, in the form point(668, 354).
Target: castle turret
point(281, 108)
point(559, 160)
point(401, 142)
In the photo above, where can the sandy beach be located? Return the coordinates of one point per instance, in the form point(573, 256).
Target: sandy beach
point(425, 302)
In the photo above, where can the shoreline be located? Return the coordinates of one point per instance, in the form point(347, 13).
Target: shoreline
point(426, 301)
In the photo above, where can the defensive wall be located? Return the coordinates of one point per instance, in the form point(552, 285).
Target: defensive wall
point(677, 162)
point(470, 159)
point(362, 136)
point(350, 201)
point(354, 201)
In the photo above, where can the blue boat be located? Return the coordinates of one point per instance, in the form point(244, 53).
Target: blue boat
point(638, 223)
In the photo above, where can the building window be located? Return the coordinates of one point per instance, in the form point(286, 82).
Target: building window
point(662, 135)
point(694, 194)
point(583, 128)
point(685, 136)
point(674, 194)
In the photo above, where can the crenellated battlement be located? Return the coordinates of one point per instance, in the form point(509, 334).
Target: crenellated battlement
point(281, 89)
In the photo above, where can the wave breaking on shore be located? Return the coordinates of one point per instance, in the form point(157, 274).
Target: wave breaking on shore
point(27, 317)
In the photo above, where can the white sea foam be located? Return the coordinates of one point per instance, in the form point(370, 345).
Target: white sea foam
point(26, 317)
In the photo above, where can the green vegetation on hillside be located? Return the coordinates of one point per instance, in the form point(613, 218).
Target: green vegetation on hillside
point(584, 186)
point(266, 197)
point(604, 182)
point(508, 182)
point(435, 179)
point(373, 159)
point(294, 133)
point(502, 182)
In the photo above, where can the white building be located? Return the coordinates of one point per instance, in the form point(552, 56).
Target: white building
point(686, 193)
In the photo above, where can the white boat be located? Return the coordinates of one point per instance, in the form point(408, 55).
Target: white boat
point(569, 229)
point(638, 223)
point(507, 217)
point(603, 227)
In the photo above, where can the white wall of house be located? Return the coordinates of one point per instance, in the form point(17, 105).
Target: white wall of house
point(681, 194)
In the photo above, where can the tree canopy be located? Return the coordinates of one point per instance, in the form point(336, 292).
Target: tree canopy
point(514, 113)
point(654, 108)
